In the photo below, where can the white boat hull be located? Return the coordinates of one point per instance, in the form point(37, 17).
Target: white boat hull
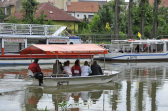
point(134, 56)
point(56, 81)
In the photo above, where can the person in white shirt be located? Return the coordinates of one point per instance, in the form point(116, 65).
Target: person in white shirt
point(89, 41)
point(82, 41)
point(67, 68)
point(85, 69)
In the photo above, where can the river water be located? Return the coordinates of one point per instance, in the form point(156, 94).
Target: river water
point(139, 87)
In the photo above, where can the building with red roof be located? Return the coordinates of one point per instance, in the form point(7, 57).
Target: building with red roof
point(10, 6)
point(55, 14)
point(79, 9)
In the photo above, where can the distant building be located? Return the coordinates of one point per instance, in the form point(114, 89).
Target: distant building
point(10, 6)
point(80, 9)
point(100, 2)
point(61, 4)
point(55, 14)
point(163, 3)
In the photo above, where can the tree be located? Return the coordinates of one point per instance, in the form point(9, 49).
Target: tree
point(130, 32)
point(28, 11)
point(155, 20)
point(2, 15)
point(41, 18)
point(94, 26)
point(117, 12)
point(144, 4)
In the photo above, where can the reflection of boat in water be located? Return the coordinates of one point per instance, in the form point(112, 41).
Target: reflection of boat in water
point(134, 50)
point(75, 49)
point(78, 88)
point(72, 94)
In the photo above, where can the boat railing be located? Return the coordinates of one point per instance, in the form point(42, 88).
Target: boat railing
point(27, 29)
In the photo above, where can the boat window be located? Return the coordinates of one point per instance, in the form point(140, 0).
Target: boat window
point(159, 47)
point(167, 46)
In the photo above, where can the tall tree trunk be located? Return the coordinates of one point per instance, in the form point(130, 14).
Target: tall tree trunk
point(142, 17)
point(130, 32)
point(155, 22)
point(117, 11)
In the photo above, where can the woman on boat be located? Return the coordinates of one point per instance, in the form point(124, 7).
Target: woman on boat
point(67, 69)
point(96, 69)
point(85, 69)
point(76, 70)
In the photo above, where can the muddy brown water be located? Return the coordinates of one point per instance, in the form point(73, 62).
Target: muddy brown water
point(139, 87)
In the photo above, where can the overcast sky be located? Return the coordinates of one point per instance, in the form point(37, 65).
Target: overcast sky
point(109, 0)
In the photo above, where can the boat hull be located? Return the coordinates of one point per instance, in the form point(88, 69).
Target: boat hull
point(57, 81)
point(134, 56)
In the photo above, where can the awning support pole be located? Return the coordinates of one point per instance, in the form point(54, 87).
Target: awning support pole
point(104, 61)
point(57, 65)
point(79, 57)
point(91, 60)
point(31, 56)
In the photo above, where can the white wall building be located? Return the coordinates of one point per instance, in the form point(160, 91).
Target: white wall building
point(80, 9)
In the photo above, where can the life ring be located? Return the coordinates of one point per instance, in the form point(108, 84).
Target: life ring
point(131, 39)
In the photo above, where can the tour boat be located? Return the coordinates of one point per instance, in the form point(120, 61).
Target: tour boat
point(15, 37)
point(134, 50)
point(75, 49)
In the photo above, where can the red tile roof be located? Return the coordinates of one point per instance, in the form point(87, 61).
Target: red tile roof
point(52, 12)
point(83, 7)
point(164, 2)
point(7, 3)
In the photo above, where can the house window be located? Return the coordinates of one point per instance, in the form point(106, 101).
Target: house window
point(90, 16)
point(77, 15)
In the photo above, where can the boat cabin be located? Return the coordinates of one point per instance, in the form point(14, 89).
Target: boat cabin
point(139, 46)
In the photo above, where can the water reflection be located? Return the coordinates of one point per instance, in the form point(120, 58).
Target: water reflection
point(139, 87)
point(32, 97)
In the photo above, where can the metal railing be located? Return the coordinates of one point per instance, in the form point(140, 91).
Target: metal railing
point(27, 29)
point(104, 38)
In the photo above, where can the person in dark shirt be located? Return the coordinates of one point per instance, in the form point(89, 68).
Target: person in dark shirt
point(35, 68)
point(96, 69)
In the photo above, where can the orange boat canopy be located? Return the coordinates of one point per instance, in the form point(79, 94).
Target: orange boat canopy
point(63, 49)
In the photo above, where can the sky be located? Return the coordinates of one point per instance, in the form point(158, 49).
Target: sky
point(109, 0)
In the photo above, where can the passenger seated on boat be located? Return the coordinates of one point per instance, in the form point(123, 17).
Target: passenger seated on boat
point(85, 69)
point(137, 48)
point(96, 69)
point(57, 68)
point(121, 51)
point(76, 70)
point(161, 51)
point(36, 70)
point(67, 69)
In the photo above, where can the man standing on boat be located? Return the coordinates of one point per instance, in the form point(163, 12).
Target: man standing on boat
point(35, 68)
point(89, 41)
